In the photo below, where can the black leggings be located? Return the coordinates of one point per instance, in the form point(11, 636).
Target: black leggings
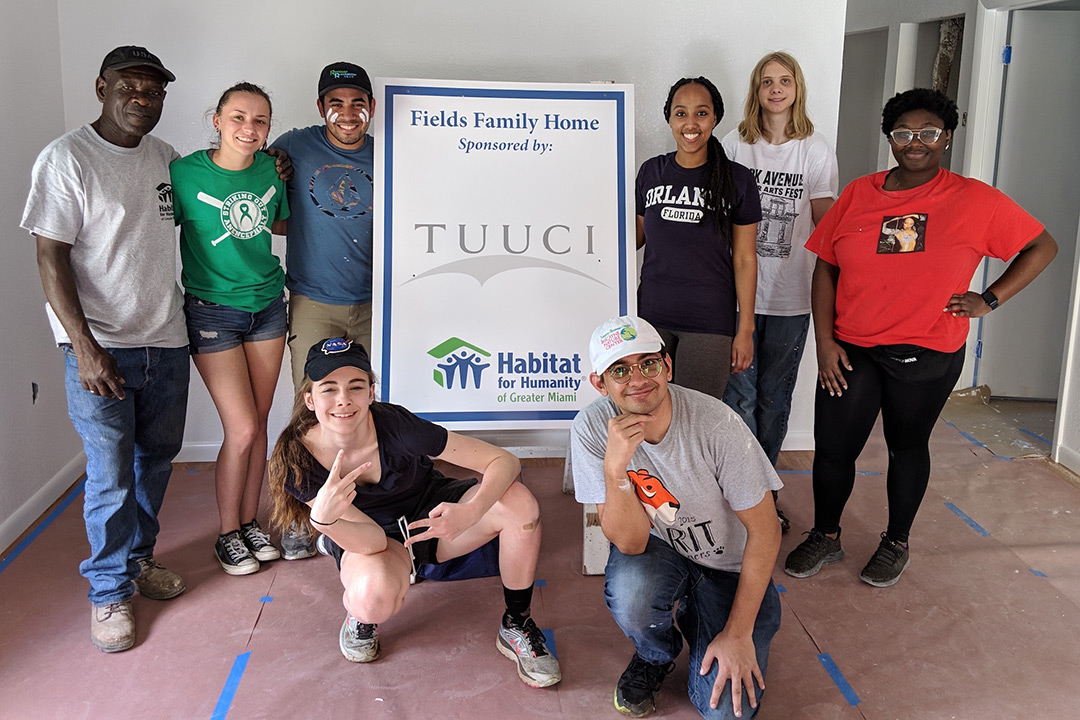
point(842, 425)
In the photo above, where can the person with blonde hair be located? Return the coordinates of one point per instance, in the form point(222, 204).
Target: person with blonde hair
point(797, 181)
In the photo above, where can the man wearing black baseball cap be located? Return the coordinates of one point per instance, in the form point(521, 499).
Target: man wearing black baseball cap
point(100, 207)
point(329, 247)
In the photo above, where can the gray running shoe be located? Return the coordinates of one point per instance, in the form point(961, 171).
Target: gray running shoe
point(359, 642)
point(888, 561)
point(816, 550)
point(297, 543)
point(258, 542)
point(525, 645)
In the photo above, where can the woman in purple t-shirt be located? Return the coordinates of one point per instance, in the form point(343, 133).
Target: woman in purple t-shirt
point(697, 220)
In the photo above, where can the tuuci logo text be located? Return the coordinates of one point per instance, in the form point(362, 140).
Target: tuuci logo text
point(460, 361)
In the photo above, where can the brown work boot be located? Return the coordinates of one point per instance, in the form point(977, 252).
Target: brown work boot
point(112, 626)
point(156, 581)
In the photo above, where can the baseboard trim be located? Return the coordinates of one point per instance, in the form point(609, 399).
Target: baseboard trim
point(28, 513)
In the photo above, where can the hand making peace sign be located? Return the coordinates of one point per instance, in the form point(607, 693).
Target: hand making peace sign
point(336, 494)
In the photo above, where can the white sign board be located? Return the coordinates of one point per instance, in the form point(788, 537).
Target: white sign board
point(504, 233)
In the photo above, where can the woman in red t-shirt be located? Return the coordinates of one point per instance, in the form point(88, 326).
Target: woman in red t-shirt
point(891, 310)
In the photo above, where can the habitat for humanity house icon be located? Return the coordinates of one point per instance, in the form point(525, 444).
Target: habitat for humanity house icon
point(460, 361)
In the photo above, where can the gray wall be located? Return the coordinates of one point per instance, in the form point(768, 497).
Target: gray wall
point(40, 454)
point(860, 104)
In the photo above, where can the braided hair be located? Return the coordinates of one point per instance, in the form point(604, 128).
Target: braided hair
point(721, 188)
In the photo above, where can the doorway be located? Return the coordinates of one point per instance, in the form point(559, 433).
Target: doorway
point(1022, 343)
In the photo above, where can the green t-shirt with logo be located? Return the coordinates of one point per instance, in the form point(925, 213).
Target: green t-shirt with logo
point(225, 240)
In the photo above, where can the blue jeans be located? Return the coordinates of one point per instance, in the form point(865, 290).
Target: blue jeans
point(761, 394)
point(129, 445)
point(641, 592)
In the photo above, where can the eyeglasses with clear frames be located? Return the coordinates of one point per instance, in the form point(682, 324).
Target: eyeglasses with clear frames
point(649, 368)
point(927, 136)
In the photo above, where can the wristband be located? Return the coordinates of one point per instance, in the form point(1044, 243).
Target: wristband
point(316, 522)
point(990, 299)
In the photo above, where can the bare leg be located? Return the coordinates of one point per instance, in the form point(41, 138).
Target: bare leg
point(375, 585)
point(226, 376)
point(515, 519)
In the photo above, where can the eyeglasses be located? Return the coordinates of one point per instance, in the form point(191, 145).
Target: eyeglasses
point(649, 368)
point(927, 136)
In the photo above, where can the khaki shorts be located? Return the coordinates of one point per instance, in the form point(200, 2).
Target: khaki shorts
point(311, 321)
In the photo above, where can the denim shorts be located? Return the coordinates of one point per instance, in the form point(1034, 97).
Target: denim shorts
point(215, 328)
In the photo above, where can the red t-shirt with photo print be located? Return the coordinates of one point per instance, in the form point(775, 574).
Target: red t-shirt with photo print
point(903, 254)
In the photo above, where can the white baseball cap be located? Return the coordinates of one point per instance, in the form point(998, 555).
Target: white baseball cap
point(619, 337)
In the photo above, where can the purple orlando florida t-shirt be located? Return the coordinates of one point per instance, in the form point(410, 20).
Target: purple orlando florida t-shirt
point(687, 278)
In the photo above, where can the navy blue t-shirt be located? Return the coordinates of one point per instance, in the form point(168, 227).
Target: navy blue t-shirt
point(687, 278)
point(406, 445)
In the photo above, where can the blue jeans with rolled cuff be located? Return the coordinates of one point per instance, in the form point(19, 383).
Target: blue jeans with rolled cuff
point(129, 445)
point(641, 592)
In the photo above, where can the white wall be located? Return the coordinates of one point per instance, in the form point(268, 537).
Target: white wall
point(40, 455)
point(211, 45)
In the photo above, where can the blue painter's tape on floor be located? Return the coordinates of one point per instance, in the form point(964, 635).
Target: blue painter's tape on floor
point(838, 678)
point(549, 640)
point(231, 683)
point(1036, 573)
point(780, 588)
point(1037, 436)
point(191, 472)
point(540, 583)
point(25, 542)
point(970, 438)
point(266, 598)
point(964, 516)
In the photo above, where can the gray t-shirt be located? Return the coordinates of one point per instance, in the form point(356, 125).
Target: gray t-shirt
point(113, 205)
point(707, 466)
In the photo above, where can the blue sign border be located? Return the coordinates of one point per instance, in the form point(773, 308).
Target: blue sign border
point(391, 91)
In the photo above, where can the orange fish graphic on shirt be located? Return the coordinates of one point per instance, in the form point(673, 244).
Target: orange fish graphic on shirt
point(658, 502)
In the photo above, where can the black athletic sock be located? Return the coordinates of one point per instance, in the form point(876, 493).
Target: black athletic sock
point(517, 605)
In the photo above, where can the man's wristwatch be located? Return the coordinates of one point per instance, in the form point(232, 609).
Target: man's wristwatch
point(990, 299)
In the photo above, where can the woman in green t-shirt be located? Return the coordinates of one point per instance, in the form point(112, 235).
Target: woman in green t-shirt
point(227, 201)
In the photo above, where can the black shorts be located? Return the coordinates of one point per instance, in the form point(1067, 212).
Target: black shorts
point(440, 491)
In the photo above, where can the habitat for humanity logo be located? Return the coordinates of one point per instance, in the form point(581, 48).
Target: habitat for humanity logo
point(460, 360)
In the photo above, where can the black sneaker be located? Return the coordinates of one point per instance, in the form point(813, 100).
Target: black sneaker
point(635, 695)
point(816, 550)
point(888, 561)
point(258, 542)
point(233, 554)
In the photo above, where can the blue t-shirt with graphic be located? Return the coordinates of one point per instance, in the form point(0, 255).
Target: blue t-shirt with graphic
point(328, 255)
